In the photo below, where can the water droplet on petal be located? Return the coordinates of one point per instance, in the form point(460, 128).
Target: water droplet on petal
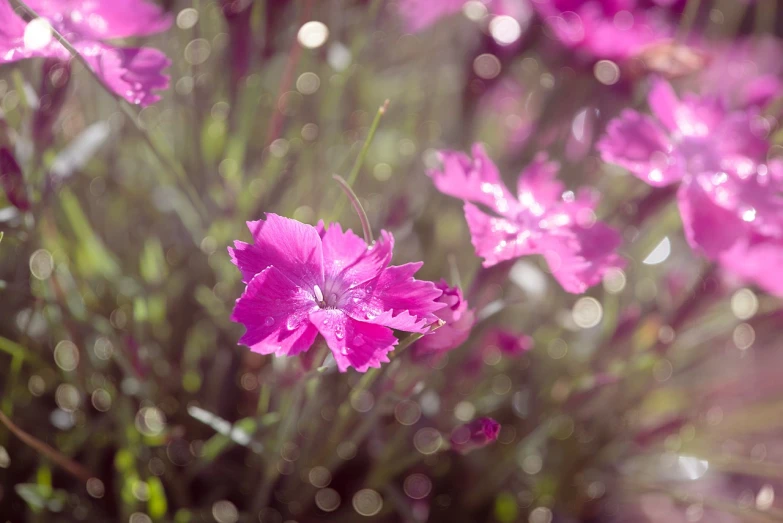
point(358, 340)
point(268, 321)
point(344, 351)
point(339, 334)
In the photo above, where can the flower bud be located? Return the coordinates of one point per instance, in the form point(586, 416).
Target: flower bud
point(55, 76)
point(12, 180)
point(458, 321)
point(474, 435)
point(237, 15)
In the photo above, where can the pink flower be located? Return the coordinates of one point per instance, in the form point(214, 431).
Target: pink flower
point(508, 343)
point(542, 219)
point(420, 14)
point(458, 321)
point(605, 29)
point(474, 435)
point(132, 73)
point(303, 281)
point(729, 199)
point(746, 72)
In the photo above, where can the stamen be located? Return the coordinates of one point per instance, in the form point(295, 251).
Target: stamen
point(318, 294)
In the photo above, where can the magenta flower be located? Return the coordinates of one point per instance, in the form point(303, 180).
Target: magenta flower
point(458, 321)
point(508, 343)
point(474, 435)
point(747, 72)
point(420, 14)
point(303, 281)
point(132, 73)
point(729, 199)
point(542, 219)
point(605, 29)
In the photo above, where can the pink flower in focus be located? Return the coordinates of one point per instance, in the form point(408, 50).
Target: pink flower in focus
point(542, 219)
point(458, 321)
point(303, 281)
point(474, 435)
point(729, 198)
point(605, 29)
point(132, 73)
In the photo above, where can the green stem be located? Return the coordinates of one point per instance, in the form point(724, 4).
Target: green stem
point(357, 165)
point(357, 206)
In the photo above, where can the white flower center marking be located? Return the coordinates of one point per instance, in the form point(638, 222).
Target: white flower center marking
point(318, 294)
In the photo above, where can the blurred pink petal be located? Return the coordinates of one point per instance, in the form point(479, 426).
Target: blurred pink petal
point(132, 73)
point(104, 19)
point(544, 220)
point(757, 259)
point(475, 179)
point(636, 142)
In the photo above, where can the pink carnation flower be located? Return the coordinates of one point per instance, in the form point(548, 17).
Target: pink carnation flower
point(303, 281)
point(729, 199)
point(542, 219)
point(132, 73)
point(474, 435)
point(605, 29)
point(458, 321)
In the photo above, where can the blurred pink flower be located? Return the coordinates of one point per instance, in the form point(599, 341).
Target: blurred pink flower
point(420, 14)
point(458, 321)
point(543, 218)
point(474, 435)
point(132, 73)
point(509, 343)
point(746, 72)
point(605, 29)
point(729, 199)
point(302, 281)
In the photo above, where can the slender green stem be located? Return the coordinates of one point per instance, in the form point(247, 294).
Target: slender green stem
point(357, 206)
point(357, 165)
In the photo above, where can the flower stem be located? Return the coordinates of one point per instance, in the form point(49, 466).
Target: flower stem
point(357, 165)
point(74, 469)
point(357, 206)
